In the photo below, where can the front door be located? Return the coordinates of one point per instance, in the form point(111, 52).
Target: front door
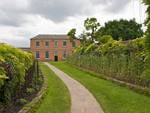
point(55, 58)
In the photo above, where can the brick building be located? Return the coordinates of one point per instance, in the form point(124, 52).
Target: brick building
point(52, 47)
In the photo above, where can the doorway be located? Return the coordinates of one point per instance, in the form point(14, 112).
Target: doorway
point(56, 58)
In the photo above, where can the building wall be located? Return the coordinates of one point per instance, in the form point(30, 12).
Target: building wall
point(60, 49)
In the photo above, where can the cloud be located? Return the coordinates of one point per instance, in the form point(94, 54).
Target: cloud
point(11, 19)
point(59, 10)
point(56, 10)
point(116, 6)
point(22, 19)
point(13, 13)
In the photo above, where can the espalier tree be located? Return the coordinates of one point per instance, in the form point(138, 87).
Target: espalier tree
point(147, 23)
point(146, 74)
point(128, 61)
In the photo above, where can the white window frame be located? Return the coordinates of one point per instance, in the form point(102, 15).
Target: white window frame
point(48, 43)
point(36, 44)
point(46, 55)
point(64, 53)
point(36, 55)
point(55, 43)
point(55, 53)
point(63, 43)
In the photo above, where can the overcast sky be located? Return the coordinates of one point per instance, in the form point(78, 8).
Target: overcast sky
point(21, 20)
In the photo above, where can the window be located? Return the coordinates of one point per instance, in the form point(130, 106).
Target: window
point(55, 53)
point(64, 54)
point(64, 43)
point(47, 43)
point(73, 44)
point(55, 43)
point(37, 54)
point(37, 44)
point(47, 54)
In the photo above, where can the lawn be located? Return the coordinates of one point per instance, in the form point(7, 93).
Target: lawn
point(57, 99)
point(112, 97)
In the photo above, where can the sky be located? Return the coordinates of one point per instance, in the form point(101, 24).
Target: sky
point(21, 20)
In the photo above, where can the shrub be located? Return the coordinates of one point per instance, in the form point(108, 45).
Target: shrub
point(14, 64)
point(30, 90)
point(21, 101)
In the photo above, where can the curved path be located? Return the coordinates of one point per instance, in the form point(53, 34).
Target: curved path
point(82, 101)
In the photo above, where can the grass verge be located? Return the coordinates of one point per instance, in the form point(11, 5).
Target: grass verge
point(112, 97)
point(57, 99)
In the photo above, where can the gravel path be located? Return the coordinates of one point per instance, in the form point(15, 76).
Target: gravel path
point(82, 101)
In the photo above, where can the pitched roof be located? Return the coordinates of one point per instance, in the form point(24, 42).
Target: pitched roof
point(25, 48)
point(46, 37)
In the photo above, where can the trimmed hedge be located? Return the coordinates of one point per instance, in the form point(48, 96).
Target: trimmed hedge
point(14, 63)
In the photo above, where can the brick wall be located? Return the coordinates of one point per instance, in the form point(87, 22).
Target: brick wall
point(42, 48)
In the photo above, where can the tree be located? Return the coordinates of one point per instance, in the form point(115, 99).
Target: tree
point(122, 29)
point(105, 38)
point(147, 23)
point(92, 26)
point(71, 34)
point(83, 37)
point(146, 73)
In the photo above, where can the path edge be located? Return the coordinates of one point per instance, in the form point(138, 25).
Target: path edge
point(99, 104)
point(136, 88)
point(31, 106)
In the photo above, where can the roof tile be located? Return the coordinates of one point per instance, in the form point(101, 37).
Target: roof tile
point(49, 36)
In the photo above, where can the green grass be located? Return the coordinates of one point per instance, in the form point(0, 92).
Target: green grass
point(112, 97)
point(57, 99)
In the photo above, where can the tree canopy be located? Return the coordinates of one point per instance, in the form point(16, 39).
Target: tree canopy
point(147, 40)
point(147, 23)
point(116, 29)
point(91, 25)
point(122, 29)
point(71, 34)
